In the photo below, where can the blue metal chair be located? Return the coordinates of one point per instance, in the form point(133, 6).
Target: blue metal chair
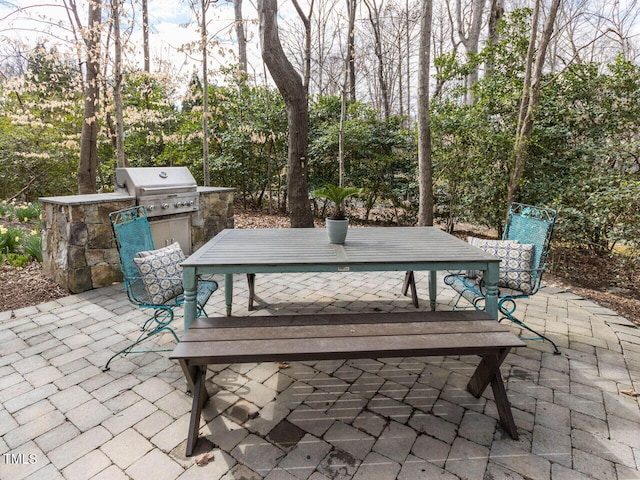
point(526, 224)
point(132, 235)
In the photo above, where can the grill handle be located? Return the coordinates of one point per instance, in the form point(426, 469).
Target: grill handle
point(166, 189)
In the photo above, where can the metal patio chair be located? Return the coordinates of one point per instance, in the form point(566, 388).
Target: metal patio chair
point(162, 295)
point(526, 225)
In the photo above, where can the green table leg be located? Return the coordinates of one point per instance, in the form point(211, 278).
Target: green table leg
point(491, 281)
point(190, 284)
point(228, 292)
point(433, 290)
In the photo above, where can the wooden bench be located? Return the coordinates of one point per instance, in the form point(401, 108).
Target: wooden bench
point(346, 336)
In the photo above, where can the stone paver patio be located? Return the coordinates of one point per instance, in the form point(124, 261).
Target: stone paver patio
point(61, 417)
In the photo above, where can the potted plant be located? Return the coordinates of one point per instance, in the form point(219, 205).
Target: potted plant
point(337, 223)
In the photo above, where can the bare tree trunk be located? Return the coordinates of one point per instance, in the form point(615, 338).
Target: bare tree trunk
point(205, 96)
point(88, 165)
point(121, 160)
point(145, 36)
point(76, 25)
point(374, 19)
point(497, 10)
point(409, 69)
point(401, 75)
point(343, 120)
point(519, 150)
point(109, 117)
point(322, 43)
point(294, 95)
point(306, 21)
point(320, 53)
point(242, 39)
point(145, 46)
point(530, 96)
point(425, 167)
point(351, 49)
point(439, 45)
point(348, 85)
point(471, 39)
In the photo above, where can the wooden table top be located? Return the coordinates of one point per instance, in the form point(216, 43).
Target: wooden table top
point(399, 246)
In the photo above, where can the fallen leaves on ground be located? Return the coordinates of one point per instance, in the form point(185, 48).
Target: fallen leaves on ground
point(631, 392)
point(26, 287)
point(204, 459)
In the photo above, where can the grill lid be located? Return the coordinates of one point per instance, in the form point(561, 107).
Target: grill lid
point(143, 181)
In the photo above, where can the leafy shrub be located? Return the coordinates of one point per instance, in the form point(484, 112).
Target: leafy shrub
point(10, 239)
point(32, 246)
point(18, 260)
point(6, 209)
point(31, 211)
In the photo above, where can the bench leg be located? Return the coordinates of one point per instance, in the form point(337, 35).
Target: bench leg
point(483, 375)
point(200, 397)
point(488, 372)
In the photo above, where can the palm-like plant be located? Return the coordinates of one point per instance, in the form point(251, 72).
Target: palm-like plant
point(337, 195)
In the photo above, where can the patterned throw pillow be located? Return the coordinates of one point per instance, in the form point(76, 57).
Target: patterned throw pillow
point(516, 264)
point(481, 243)
point(161, 272)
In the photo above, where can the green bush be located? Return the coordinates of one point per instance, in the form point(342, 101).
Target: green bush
point(32, 246)
point(31, 211)
point(10, 239)
point(17, 260)
point(6, 209)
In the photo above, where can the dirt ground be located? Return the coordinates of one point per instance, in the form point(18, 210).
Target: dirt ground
point(601, 279)
point(605, 279)
point(25, 287)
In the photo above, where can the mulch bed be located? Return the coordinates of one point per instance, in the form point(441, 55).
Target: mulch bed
point(26, 287)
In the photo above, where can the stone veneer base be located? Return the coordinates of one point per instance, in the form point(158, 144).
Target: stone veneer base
point(78, 249)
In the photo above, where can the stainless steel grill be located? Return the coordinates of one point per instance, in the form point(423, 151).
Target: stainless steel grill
point(162, 190)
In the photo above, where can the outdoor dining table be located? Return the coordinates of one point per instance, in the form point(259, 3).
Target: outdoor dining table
point(288, 250)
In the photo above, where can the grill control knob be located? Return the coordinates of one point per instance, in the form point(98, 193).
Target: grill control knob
point(164, 206)
point(151, 207)
point(178, 204)
point(191, 203)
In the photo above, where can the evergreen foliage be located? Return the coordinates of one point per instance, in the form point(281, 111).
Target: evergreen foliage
point(584, 158)
point(584, 150)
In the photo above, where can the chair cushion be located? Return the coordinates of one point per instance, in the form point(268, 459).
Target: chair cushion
point(482, 243)
point(516, 264)
point(161, 272)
